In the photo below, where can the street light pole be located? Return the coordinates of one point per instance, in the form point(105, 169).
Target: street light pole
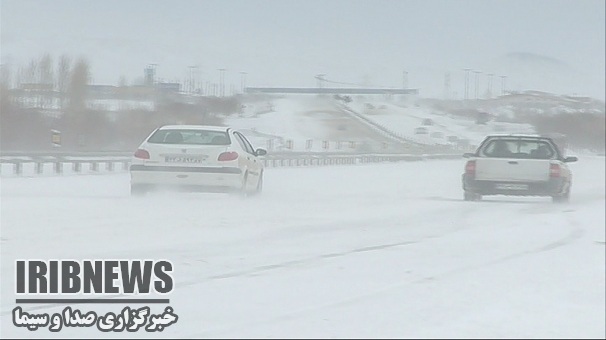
point(243, 81)
point(466, 82)
point(222, 81)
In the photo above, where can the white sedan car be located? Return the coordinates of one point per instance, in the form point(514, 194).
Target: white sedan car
point(198, 157)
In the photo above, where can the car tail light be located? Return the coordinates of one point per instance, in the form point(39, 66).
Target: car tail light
point(143, 154)
point(228, 156)
point(470, 168)
point(554, 170)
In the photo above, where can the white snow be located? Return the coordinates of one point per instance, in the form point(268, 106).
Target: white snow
point(403, 119)
point(299, 120)
point(303, 118)
point(384, 250)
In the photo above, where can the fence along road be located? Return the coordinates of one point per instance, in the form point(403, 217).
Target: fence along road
point(59, 163)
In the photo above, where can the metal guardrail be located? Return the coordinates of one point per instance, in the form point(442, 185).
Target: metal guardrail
point(15, 163)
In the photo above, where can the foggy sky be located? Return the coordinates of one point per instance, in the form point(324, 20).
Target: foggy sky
point(288, 42)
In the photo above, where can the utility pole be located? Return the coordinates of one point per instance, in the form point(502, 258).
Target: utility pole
point(320, 78)
point(466, 82)
point(489, 89)
point(477, 83)
point(503, 88)
point(447, 85)
point(191, 78)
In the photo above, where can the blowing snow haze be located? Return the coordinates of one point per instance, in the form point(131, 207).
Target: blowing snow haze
point(551, 46)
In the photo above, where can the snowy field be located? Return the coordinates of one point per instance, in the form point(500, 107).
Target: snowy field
point(404, 119)
point(303, 118)
point(383, 250)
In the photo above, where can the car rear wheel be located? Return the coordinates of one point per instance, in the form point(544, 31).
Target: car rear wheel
point(137, 190)
point(565, 198)
point(471, 196)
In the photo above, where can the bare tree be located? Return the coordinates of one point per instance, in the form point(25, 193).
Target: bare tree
point(5, 86)
point(46, 78)
point(63, 73)
point(79, 79)
point(45, 70)
point(31, 72)
point(122, 82)
point(19, 77)
point(5, 76)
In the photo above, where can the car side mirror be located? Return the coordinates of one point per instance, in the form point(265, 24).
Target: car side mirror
point(468, 155)
point(570, 159)
point(261, 152)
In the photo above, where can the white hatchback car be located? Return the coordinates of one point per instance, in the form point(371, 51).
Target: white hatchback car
point(198, 157)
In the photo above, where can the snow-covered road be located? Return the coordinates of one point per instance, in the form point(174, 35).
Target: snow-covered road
point(384, 250)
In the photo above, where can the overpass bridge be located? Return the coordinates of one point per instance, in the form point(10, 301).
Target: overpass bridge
point(330, 90)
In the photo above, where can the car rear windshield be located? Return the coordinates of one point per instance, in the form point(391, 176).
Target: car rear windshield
point(519, 148)
point(191, 137)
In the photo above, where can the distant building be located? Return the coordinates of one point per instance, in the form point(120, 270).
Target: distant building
point(101, 91)
point(36, 87)
point(150, 75)
point(169, 87)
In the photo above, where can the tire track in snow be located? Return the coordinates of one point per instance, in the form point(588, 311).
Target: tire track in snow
point(569, 238)
point(276, 266)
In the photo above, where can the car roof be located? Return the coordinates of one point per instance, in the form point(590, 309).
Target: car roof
point(194, 127)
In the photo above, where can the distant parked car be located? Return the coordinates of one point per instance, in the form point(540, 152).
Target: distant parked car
point(421, 131)
point(463, 143)
point(517, 165)
point(452, 139)
point(482, 118)
point(202, 158)
point(427, 122)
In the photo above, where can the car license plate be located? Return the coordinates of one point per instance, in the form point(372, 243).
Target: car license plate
point(184, 159)
point(509, 186)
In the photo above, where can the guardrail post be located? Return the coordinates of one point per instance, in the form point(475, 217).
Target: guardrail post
point(58, 167)
point(18, 168)
point(39, 167)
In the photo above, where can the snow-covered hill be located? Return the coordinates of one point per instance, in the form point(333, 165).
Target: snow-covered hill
point(310, 122)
